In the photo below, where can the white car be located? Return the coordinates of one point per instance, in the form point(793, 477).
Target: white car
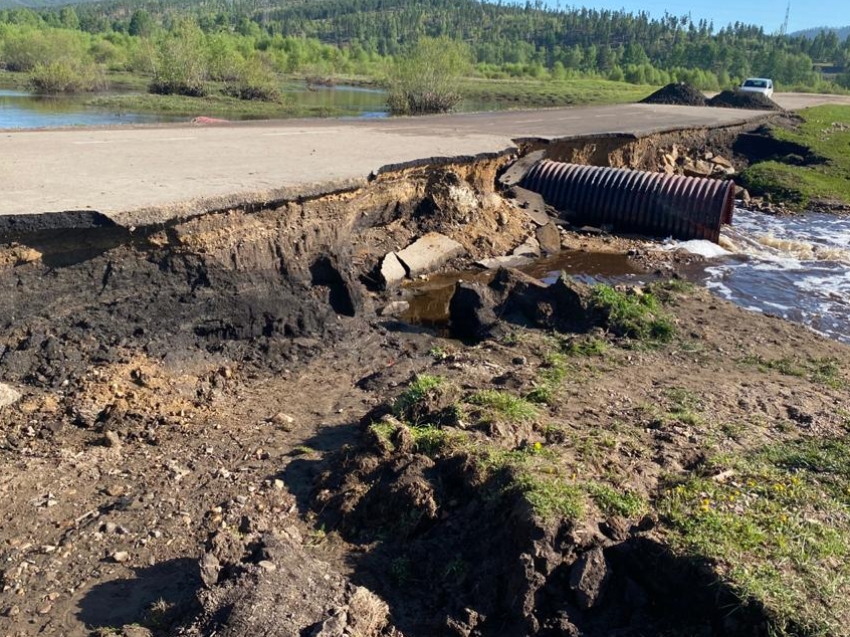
point(758, 85)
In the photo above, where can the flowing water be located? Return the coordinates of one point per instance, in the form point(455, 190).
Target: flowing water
point(794, 267)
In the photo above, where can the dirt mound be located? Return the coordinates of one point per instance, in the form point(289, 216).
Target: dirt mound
point(743, 99)
point(461, 507)
point(677, 93)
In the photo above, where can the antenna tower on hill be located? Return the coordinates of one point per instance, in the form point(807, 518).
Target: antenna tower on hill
point(784, 28)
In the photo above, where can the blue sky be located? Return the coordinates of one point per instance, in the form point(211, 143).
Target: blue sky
point(767, 13)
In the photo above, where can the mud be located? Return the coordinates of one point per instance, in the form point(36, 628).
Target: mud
point(192, 451)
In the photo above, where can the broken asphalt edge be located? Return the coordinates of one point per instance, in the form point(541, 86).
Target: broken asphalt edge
point(154, 218)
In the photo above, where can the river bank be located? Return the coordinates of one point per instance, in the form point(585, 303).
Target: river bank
point(217, 414)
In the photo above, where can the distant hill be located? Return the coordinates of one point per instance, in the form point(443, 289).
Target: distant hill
point(38, 4)
point(841, 32)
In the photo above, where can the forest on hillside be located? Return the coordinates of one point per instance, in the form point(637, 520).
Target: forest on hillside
point(360, 37)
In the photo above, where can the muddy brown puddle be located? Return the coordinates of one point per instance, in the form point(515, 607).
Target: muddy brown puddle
point(429, 299)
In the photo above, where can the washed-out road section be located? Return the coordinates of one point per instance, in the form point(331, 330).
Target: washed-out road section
point(137, 176)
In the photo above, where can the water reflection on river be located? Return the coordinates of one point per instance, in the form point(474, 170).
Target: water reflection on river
point(19, 109)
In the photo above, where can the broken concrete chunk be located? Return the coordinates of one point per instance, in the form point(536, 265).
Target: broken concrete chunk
point(513, 175)
point(549, 238)
point(530, 249)
point(503, 262)
point(428, 253)
point(531, 203)
point(395, 308)
point(8, 395)
point(392, 271)
point(717, 160)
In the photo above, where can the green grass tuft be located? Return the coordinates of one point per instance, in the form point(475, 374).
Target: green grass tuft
point(636, 315)
point(614, 502)
point(504, 406)
point(824, 371)
point(415, 392)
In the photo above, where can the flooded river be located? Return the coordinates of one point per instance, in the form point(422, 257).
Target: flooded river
point(20, 109)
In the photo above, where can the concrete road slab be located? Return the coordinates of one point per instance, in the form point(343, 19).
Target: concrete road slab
point(146, 175)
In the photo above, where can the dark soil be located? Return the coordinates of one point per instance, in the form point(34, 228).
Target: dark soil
point(677, 93)
point(743, 99)
point(192, 453)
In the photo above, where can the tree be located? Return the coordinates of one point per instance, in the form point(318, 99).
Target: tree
point(141, 23)
point(426, 78)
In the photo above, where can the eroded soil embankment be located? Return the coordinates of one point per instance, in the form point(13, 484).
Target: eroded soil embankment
point(208, 391)
point(150, 363)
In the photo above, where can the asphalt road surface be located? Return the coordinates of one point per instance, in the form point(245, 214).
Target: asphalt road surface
point(143, 174)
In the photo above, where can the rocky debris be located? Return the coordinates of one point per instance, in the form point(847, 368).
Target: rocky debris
point(300, 595)
point(210, 569)
point(588, 577)
point(428, 253)
point(530, 248)
point(451, 199)
point(549, 238)
point(677, 93)
point(282, 420)
point(744, 99)
point(111, 439)
point(480, 311)
point(531, 203)
point(694, 163)
point(509, 261)
point(392, 271)
point(516, 171)
point(395, 308)
point(8, 395)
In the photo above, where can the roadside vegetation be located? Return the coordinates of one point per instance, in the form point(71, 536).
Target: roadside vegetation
point(821, 178)
point(427, 56)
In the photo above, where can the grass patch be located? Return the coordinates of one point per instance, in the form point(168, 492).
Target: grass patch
point(532, 471)
point(524, 93)
point(826, 132)
point(824, 371)
point(504, 406)
point(633, 315)
point(415, 393)
point(684, 406)
point(214, 105)
point(585, 346)
point(430, 440)
point(551, 497)
point(779, 529)
point(616, 502)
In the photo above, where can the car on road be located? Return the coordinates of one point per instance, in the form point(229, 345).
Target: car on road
point(758, 85)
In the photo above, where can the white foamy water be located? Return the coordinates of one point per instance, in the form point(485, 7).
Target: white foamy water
point(794, 267)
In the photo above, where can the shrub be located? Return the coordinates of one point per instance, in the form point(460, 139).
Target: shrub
point(64, 76)
point(256, 81)
point(426, 79)
point(181, 66)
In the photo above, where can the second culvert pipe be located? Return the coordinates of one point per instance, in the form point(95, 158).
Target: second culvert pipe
point(635, 201)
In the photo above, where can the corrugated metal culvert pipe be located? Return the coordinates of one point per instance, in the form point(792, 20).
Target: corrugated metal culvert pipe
point(634, 201)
